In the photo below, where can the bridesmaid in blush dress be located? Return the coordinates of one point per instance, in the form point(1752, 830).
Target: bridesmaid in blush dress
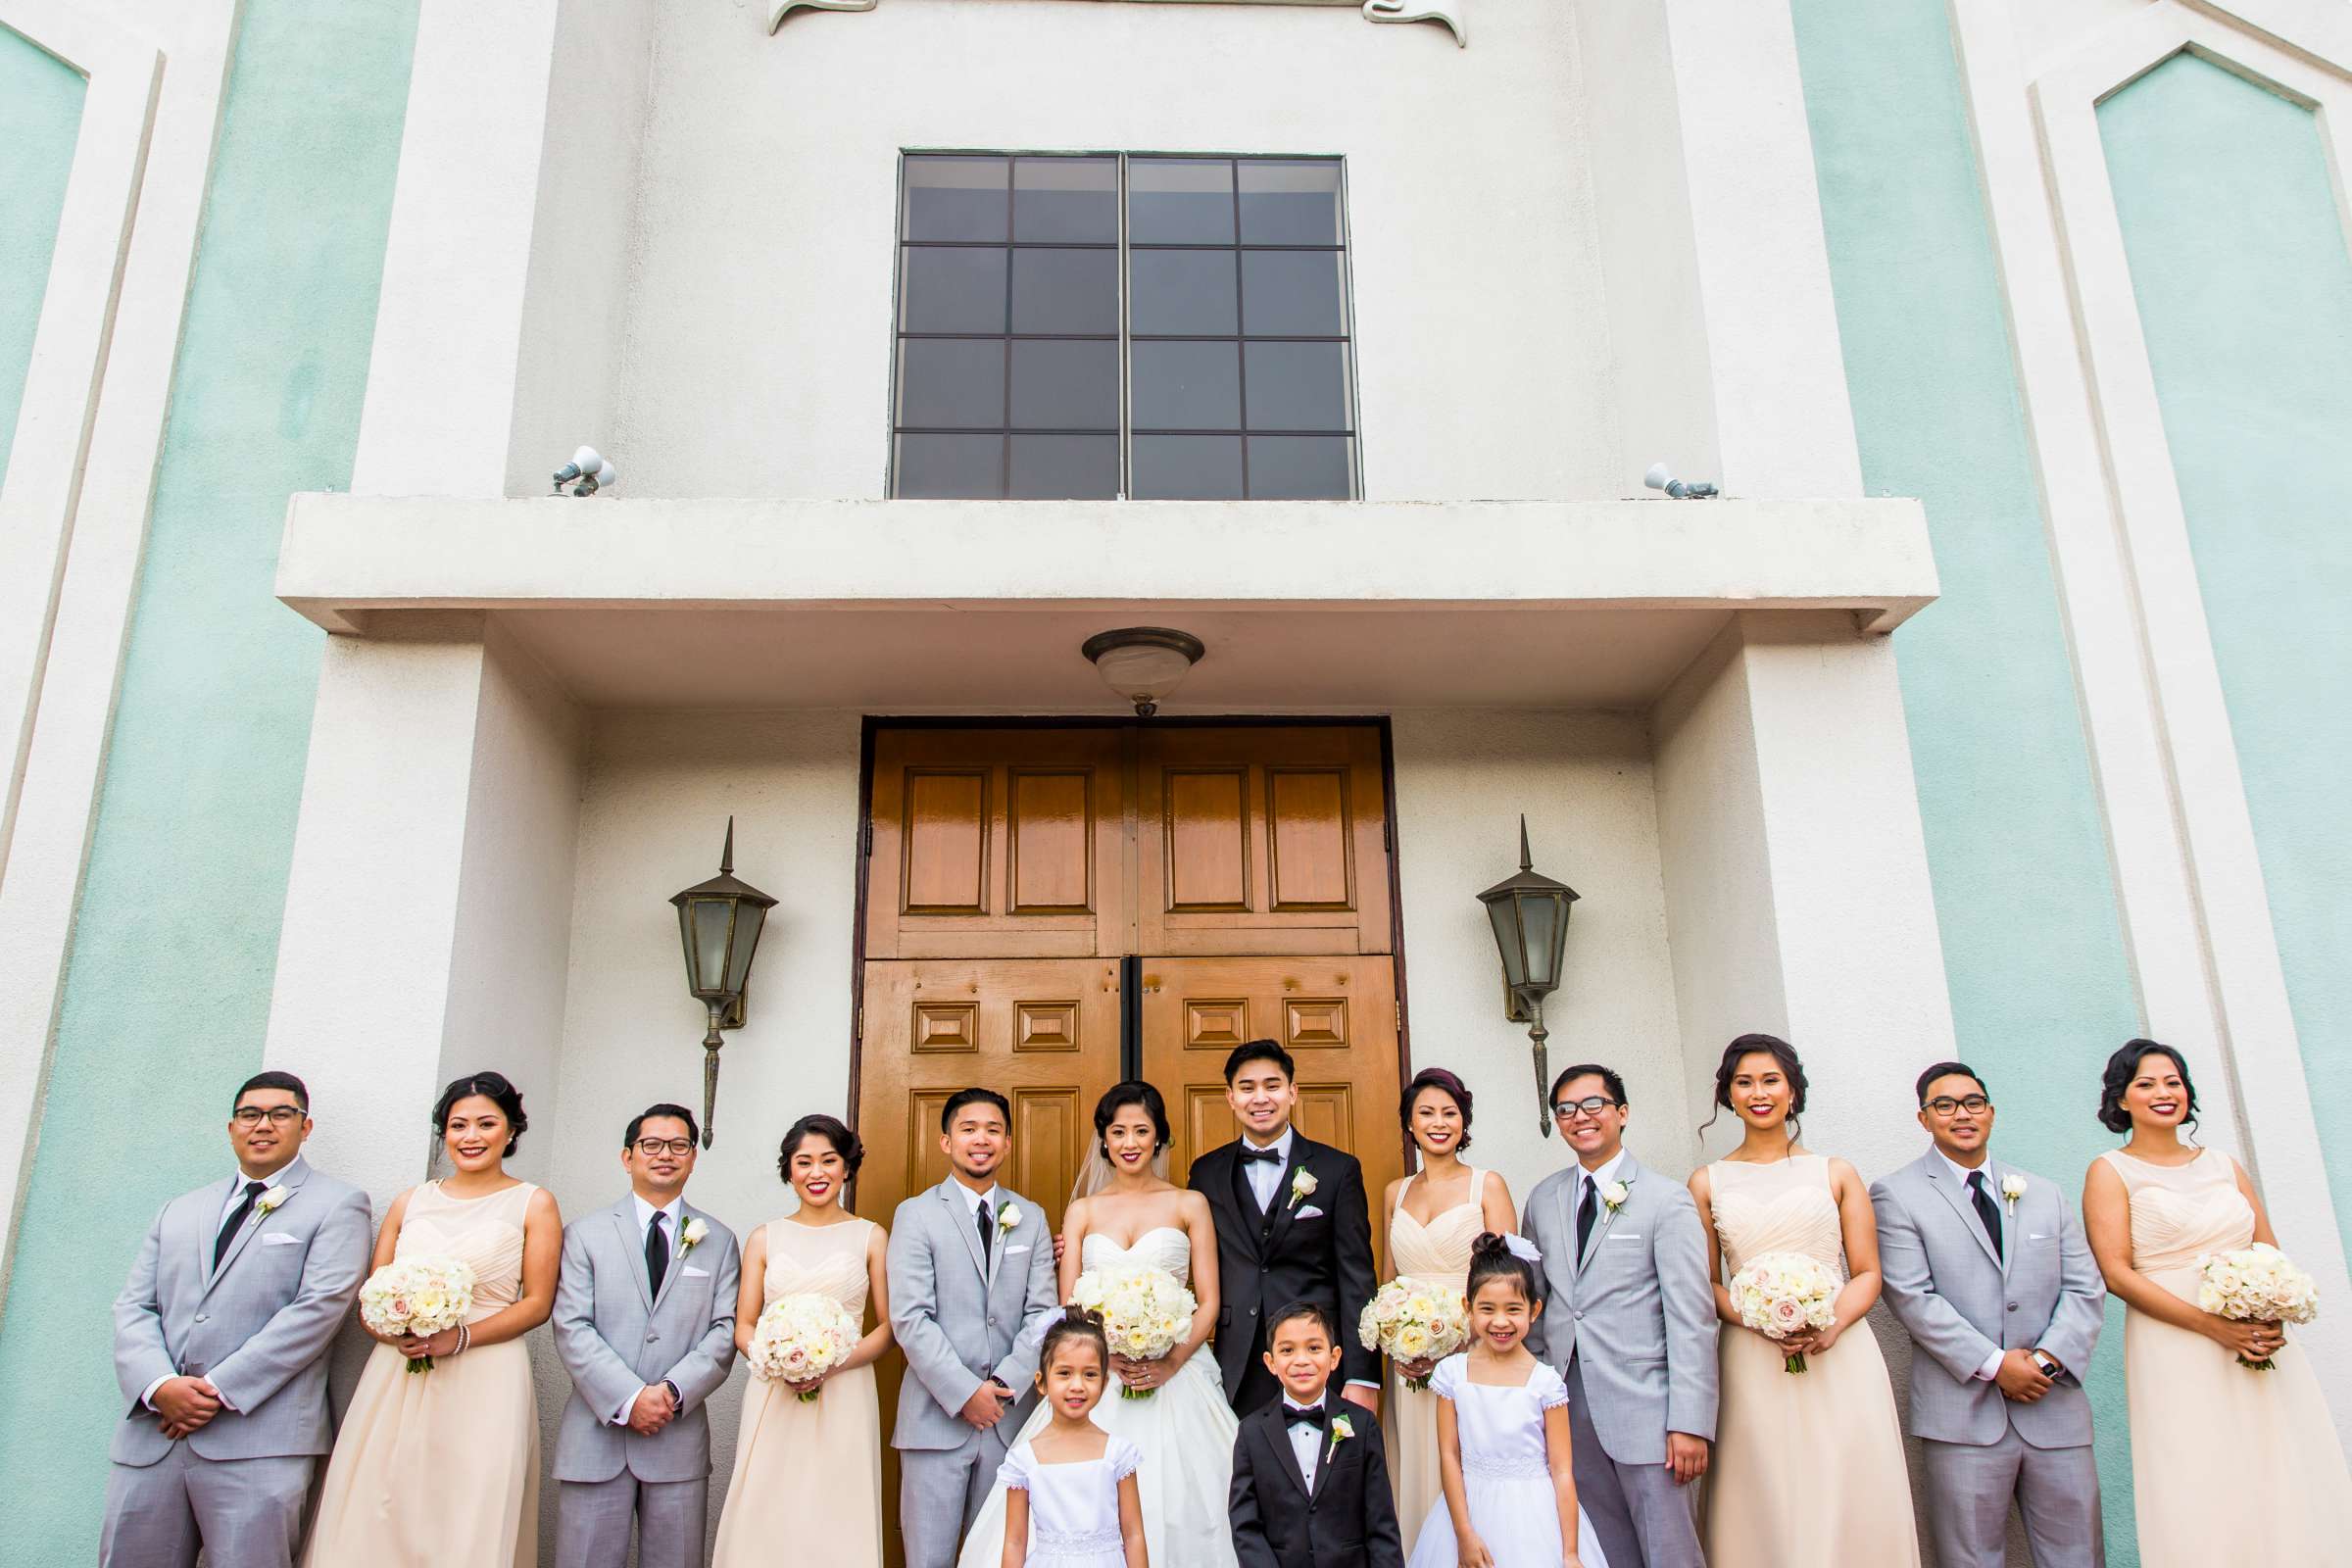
point(2228, 1465)
point(795, 1460)
point(1431, 1217)
point(1807, 1469)
point(442, 1467)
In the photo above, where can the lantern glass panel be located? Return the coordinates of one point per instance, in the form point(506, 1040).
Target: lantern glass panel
point(711, 922)
point(749, 918)
point(1540, 920)
point(1506, 916)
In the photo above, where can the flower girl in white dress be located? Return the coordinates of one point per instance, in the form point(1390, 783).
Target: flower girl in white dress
point(1070, 1498)
point(1502, 1436)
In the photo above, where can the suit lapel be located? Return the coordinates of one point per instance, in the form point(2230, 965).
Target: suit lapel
point(1940, 1177)
point(1283, 1211)
point(1627, 1171)
point(1325, 1450)
point(291, 1179)
point(677, 1256)
point(2008, 1212)
point(959, 1212)
point(1274, 1430)
point(208, 1228)
point(1566, 1199)
point(632, 1246)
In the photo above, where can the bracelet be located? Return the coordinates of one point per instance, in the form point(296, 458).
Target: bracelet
point(465, 1338)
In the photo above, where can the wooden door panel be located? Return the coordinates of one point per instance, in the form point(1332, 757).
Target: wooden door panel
point(991, 843)
point(1261, 839)
point(1336, 1016)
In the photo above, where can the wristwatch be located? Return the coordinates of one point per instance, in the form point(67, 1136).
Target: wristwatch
point(2042, 1359)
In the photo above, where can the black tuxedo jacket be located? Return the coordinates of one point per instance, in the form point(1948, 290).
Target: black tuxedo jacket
point(1347, 1520)
point(1265, 1261)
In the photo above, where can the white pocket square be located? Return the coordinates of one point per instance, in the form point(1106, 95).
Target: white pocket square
point(1023, 1248)
point(693, 1273)
point(2036, 1236)
point(279, 1238)
point(1311, 1211)
point(1625, 1236)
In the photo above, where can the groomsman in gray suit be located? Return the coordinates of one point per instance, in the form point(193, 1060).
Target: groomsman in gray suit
point(1630, 1325)
point(645, 1324)
point(220, 1340)
point(1989, 1272)
point(971, 1283)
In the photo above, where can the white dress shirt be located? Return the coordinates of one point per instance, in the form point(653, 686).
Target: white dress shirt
point(1306, 1441)
point(228, 1206)
point(1961, 1173)
point(1266, 1175)
point(1598, 1178)
point(673, 1214)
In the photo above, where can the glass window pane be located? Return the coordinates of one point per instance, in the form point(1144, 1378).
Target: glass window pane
point(1301, 467)
point(1067, 386)
point(952, 382)
point(1059, 468)
point(1298, 386)
point(1179, 201)
point(1065, 291)
point(1288, 293)
point(1186, 386)
point(1181, 292)
point(1188, 467)
point(1289, 202)
point(954, 198)
point(1066, 199)
point(951, 290)
point(949, 465)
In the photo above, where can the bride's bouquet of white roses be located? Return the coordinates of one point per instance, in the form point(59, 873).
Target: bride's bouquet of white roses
point(2256, 1284)
point(418, 1296)
point(1145, 1309)
point(800, 1338)
point(1784, 1295)
point(1409, 1320)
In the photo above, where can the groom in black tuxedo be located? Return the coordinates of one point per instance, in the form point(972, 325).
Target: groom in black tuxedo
point(1292, 1226)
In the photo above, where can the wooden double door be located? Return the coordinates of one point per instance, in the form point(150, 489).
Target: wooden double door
point(1050, 911)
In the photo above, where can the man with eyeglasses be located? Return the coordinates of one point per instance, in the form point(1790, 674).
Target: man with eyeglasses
point(221, 1342)
point(1630, 1325)
point(645, 1324)
point(1988, 1269)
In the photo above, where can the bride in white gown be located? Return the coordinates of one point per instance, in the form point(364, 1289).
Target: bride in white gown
point(1127, 1211)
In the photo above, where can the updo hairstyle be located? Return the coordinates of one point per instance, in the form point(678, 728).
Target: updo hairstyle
point(1779, 1051)
point(846, 1143)
point(1440, 1079)
point(2123, 1067)
point(1133, 1092)
point(491, 1086)
point(1491, 1258)
point(1076, 1323)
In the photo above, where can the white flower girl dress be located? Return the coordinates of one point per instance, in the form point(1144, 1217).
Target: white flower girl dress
point(1507, 1473)
point(1074, 1507)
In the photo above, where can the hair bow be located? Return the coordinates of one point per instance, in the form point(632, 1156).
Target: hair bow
point(1525, 1250)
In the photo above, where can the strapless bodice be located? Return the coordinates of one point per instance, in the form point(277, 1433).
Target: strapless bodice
point(1161, 1247)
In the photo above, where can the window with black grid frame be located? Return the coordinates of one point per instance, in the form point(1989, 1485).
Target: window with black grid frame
point(1223, 368)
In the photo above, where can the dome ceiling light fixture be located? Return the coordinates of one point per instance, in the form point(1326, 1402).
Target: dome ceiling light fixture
point(1142, 664)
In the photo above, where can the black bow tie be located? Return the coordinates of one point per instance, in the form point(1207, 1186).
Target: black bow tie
point(1314, 1418)
point(1252, 1157)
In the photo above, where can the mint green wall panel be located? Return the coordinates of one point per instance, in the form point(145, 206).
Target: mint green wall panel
point(2032, 942)
point(40, 115)
point(169, 985)
point(2244, 288)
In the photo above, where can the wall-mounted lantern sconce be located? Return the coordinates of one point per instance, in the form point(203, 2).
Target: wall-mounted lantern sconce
point(1530, 915)
point(719, 923)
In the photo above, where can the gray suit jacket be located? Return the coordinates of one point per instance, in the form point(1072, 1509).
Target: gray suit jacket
point(616, 1335)
point(959, 1320)
point(258, 1328)
point(1639, 1305)
point(1960, 1301)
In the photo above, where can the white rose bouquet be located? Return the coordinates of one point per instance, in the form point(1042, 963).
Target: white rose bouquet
point(1410, 1320)
point(420, 1297)
point(1145, 1311)
point(1786, 1296)
point(2256, 1284)
point(801, 1337)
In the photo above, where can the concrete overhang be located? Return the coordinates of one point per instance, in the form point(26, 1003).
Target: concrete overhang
point(1304, 604)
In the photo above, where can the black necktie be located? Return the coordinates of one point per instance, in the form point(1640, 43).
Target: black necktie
point(656, 1252)
point(1986, 1211)
point(987, 1231)
point(1255, 1157)
point(1314, 1417)
point(1588, 1210)
point(236, 1222)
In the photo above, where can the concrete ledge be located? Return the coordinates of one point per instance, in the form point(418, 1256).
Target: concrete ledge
point(347, 561)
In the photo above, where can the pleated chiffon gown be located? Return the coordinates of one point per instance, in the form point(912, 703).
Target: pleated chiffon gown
point(1438, 1255)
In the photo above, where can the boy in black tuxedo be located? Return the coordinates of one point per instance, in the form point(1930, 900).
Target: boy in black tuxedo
point(1310, 1483)
point(1292, 1226)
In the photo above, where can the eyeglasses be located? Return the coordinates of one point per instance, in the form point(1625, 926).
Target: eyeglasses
point(1946, 1107)
point(1592, 1105)
point(650, 1147)
point(251, 1116)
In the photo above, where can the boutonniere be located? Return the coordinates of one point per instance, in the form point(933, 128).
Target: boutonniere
point(692, 1235)
point(1614, 1195)
point(1007, 1218)
point(1302, 1183)
point(1340, 1431)
point(2013, 1188)
point(270, 1201)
